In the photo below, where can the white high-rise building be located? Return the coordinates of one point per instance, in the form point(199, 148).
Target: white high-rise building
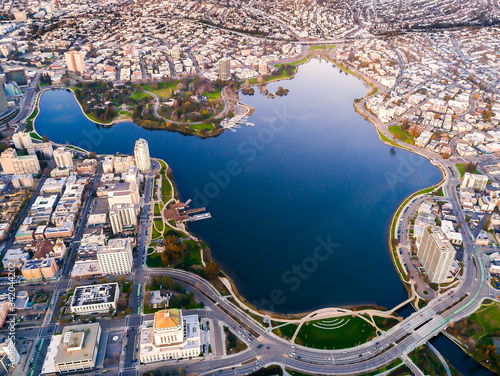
point(63, 157)
point(475, 181)
point(122, 216)
point(75, 61)
point(224, 68)
point(116, 257)
point(141, 152)
point(436, 254)
point(22, 140)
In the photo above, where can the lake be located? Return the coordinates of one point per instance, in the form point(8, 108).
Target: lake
point(300, 203)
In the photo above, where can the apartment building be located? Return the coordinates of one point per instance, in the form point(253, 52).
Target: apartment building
point(116, 257)
point(436, 254)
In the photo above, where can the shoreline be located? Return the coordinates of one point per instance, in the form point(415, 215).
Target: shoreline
point(394, 217)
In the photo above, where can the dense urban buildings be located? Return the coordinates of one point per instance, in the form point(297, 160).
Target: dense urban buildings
point(431, 71)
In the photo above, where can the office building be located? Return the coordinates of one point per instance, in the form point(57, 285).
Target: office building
point(95, 299)
point(477, 182)
point(141, 152)
point(43, 149)
point(116, 257)
point(39, 269)
point(15, 258)
point(170, 336)
point(23, 181)
point(122, 217)
point(17, 75)
point(436, 254)
point(22, 140)
point(119, 193)
point(121, 164)
point(225, 68)
point(75, 61)
point(63, 157)
point(99, 213)
point(19, 165)
point(74, 350)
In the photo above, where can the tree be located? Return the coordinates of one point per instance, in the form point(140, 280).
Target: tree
point(92, 155)
point(156, 372)
point(45, 138)
point(212, 270)
point(103, 280)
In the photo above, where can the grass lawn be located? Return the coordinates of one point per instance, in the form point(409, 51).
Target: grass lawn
point(427, 361)
point(384, 323)
point(385, 139)
point(322, 47)
point(164, 90)
point(162, 164)
point(213, 96)
point(461, 169)
point(166, 189)
point(93, 118)
point(33, 114)
point(157, 233)
point(35, 135)
point(287, 331)
point(476, 333)
point(157, 209)
point(401, 135)
point(336, 333)
point(194, 255)
point(138, 95)
point(201, 126)
point(154, 261)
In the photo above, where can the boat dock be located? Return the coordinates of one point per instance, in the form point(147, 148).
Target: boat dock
point(199, 217)
point(180, 213)
point(238, 120)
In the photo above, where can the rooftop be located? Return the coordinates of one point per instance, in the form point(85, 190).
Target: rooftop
point(79, 343)
point(167, 319)
point(95, 294)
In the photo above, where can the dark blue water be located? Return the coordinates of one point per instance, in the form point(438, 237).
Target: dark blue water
point(301, 202)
